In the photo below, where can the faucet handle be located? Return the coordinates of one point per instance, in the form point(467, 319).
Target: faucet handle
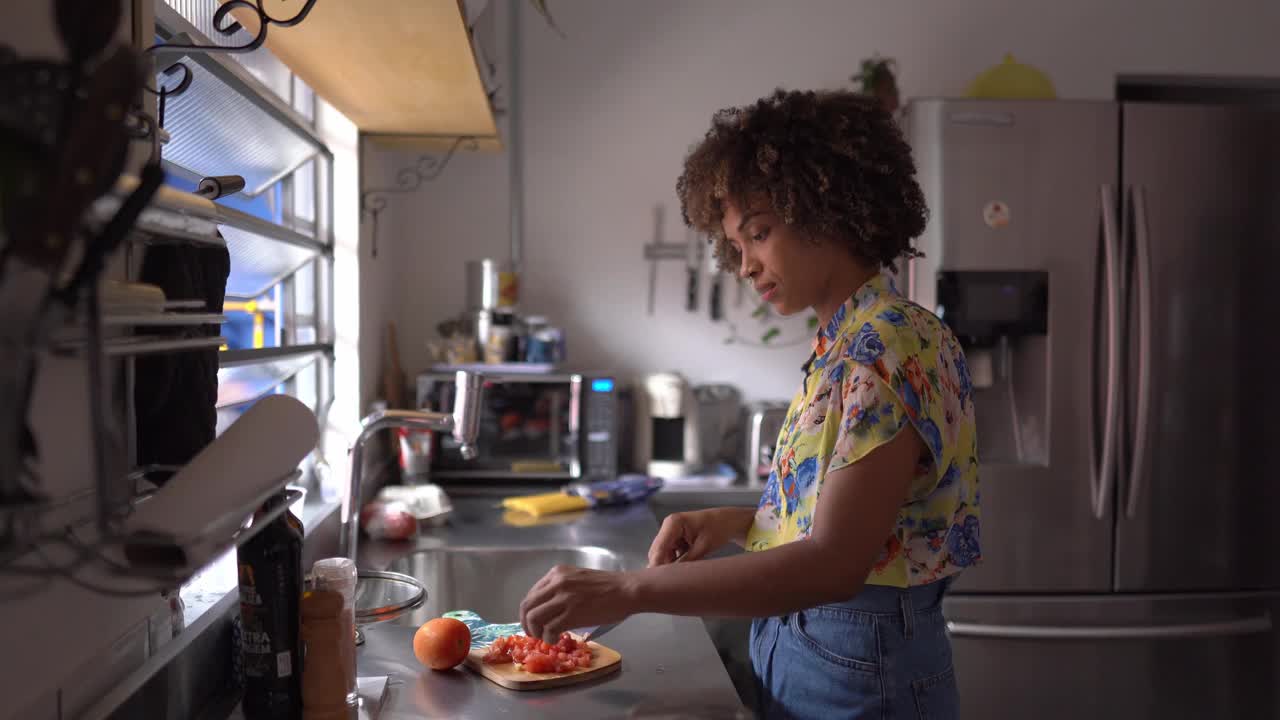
point(466, 411)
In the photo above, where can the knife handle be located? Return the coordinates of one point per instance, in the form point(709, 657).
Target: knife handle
point(691, 301)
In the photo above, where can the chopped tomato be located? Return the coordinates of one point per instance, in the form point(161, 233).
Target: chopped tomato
point(499, 652)
point(536, 656)
point(537, 662)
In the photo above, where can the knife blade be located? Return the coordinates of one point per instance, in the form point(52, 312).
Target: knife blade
point(716, 301)
point(693, 270)
point(591, 633)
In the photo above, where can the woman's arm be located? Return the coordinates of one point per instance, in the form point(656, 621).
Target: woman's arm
point(693, 535)
point(855, 514)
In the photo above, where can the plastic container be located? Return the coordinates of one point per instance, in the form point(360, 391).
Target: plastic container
point(428, 504)
point(540, 347)
point(415, 453)
point(332, 652)
point(326, 690)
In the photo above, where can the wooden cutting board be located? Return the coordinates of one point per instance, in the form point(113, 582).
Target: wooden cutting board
point(603, 662)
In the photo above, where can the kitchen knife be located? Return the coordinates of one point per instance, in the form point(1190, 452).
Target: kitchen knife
point(716, 301)
point(652, 255)
point(694, 261)
point(598, 631)
point(595, 633)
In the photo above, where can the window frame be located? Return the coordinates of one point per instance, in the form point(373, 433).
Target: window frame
point(307, 185)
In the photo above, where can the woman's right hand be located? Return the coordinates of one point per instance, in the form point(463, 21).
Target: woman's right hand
point(694, 535)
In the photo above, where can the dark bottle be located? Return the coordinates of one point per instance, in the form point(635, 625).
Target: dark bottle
point(271, 586)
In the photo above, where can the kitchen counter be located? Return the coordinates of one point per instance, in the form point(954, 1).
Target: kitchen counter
point(667, 662)
point(684, 493)
point(709, 495)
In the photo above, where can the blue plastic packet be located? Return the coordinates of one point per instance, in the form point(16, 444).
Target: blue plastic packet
point(626, 489)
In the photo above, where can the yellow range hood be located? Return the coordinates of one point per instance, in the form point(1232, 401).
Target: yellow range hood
point(400, 69)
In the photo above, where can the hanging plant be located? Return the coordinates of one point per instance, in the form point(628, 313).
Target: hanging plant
point(876, 78)
point(768, 331)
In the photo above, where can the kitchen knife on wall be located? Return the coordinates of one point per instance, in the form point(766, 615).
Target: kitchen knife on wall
point(694, 269)
point(716, 300)
point(651, 254)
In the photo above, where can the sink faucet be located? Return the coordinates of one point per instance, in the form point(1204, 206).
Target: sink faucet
point(463, 423)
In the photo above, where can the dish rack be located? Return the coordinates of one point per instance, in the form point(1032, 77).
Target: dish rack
point(125, 330)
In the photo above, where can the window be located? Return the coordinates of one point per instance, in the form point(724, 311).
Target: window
point(248, 115)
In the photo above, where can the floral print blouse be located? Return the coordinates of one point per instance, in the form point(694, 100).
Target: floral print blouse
point(881, 363)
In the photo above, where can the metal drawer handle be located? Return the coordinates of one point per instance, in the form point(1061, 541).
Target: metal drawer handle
point(1245, 626)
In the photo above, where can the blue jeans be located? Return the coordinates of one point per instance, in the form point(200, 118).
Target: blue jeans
point(884, 654)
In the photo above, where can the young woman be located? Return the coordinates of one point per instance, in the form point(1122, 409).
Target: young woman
point(872, 506)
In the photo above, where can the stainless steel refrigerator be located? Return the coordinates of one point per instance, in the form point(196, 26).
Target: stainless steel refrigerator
point(1113, 268)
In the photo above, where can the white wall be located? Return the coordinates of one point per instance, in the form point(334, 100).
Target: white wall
point(610, 111)
point(377, 279)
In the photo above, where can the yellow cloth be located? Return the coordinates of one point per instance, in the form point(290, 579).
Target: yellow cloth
point(546, 504)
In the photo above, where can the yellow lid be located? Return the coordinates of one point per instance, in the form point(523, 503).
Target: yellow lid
point(1011, 80)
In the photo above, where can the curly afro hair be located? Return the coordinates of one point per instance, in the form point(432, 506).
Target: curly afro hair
point(832, 164)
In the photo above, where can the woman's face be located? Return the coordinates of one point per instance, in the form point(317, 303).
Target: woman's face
point(789, 270)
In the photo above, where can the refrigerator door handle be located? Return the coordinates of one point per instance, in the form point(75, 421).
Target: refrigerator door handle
point(1142, 254)
point(1220, 628)
point(1102, 477)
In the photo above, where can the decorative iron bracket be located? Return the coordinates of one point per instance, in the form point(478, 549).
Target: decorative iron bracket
point(226, 29)
point(374, 200)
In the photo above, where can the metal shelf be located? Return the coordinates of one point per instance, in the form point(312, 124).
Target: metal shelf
point(228, 121)
point(262, 253)
point(164, 319)
point(252, 356)
point(122, 347)
point(172, 215)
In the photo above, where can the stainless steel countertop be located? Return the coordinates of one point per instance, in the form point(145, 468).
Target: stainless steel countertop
point(672, 494)
point(667, 662)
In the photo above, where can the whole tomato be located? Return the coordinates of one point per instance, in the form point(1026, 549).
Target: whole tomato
point(388, 521)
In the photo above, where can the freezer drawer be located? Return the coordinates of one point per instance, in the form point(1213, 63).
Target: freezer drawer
point(1131, 657)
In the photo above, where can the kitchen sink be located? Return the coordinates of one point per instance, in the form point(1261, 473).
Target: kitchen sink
point(487, 580)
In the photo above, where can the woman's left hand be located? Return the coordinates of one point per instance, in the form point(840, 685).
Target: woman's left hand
point(572, 597)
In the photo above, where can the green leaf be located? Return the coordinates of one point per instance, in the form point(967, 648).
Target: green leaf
point(813, 322)
point(760, 311)
point(770, 334)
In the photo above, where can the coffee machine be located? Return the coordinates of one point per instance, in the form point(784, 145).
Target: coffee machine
point(667, 443)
